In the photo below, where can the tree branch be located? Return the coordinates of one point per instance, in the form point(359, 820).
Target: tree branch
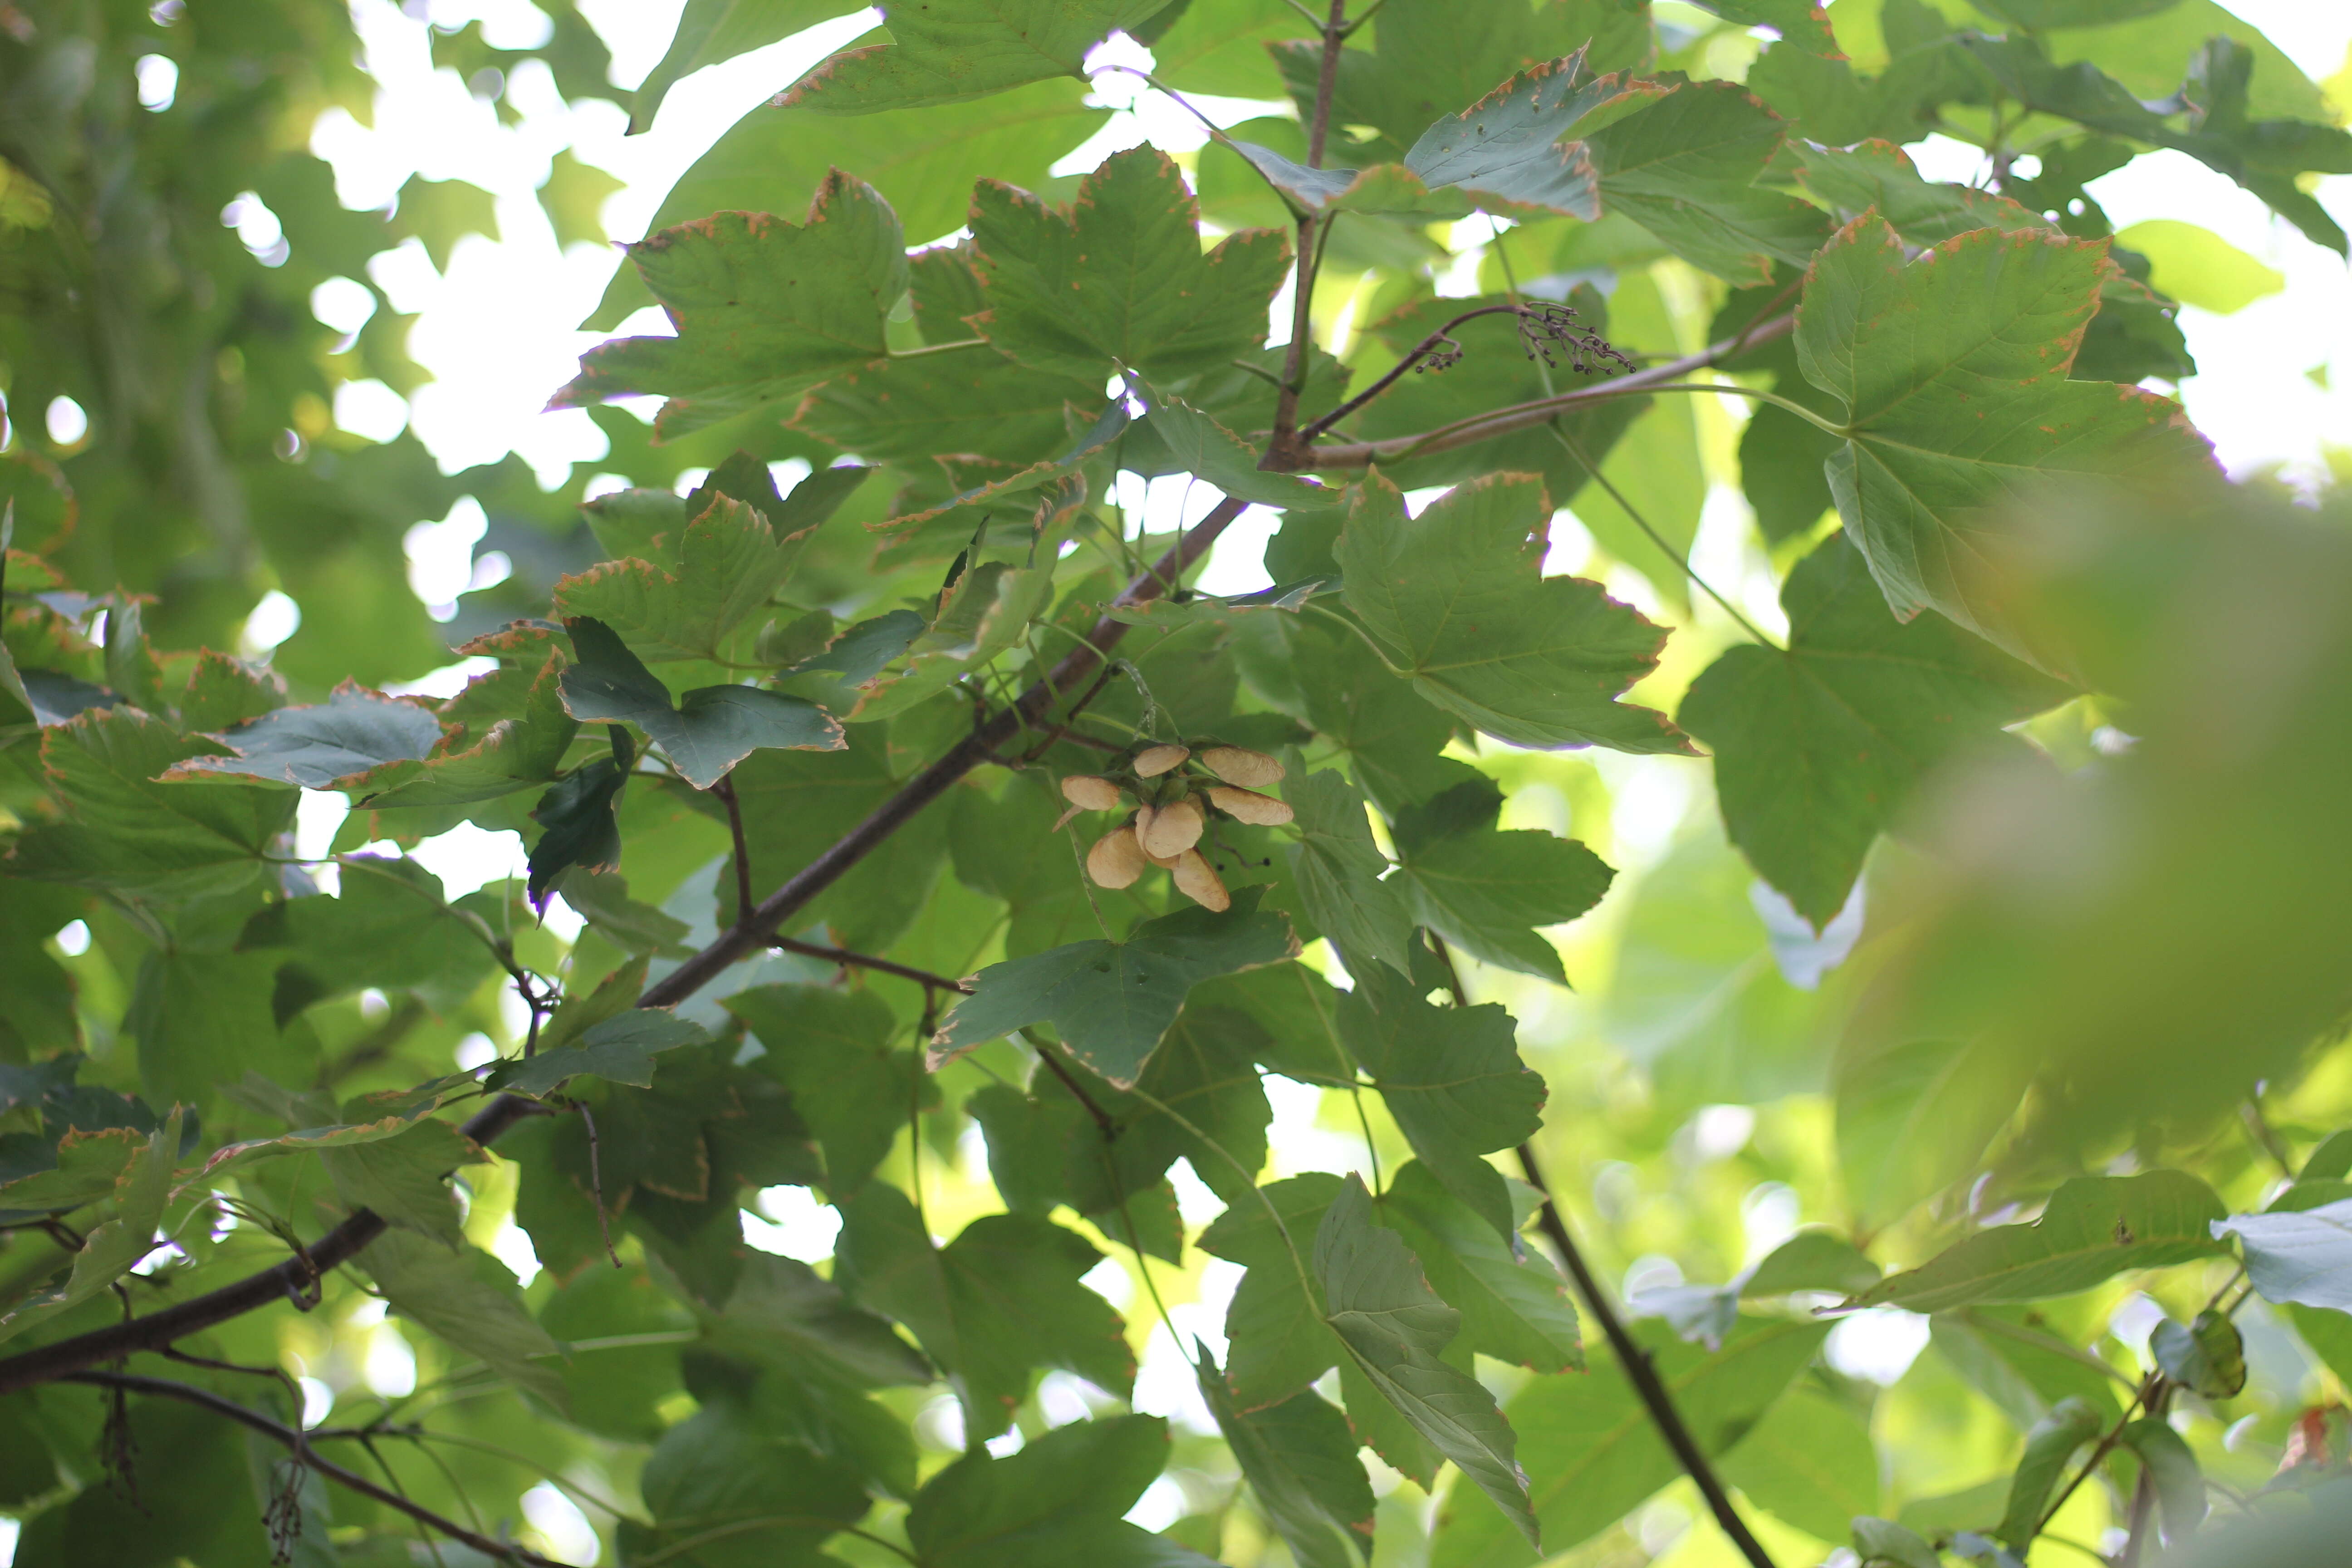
point(1285, 449)
point(1644, 1376)
point(504, 1550)
point(1522, 415)
point(289, 1279)
point(850, 960)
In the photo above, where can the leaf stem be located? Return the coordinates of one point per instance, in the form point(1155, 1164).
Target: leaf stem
point(849, 959)
point(724, 788)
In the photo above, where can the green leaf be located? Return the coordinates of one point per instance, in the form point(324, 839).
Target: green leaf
point(725, 565)
point(709, 31)
point(440, 212)
point(951, 50)
point(2198, 267)
point(387, 928)
point(2206, 1355)
point(1952, 373)
point(764, 309)
point(1055, 1504)
point(2297, 1256)
point(958, 400)
point(618, 1050)
point(110, 1248)
point(1808, 1462)
point(405, 1178)
point(1299, 1458)
point(2172, 1470)
point(1453, 1078)
point(469, 1299)
point(506, 753)
point(1339, 871)
point(1118, 276)
point(1112, 1002)
point(1818, 748)
point(353, 731)
point(583, 829)
point(1685, 168)
point(797, 803)
point(1882, 1540)
point(1000, 1300)
point(726, 1493)
point(2093, 1228)
point(1277, 1340)
point(2048, 1447)
point(711, 730)
point(1457, 600)
point(1514, 1305)
point(833, 1050)
point(1509, 151)
point(1193, 442)
point(89, 1165)
point(1393, 1327)
point(603, 901)
point(1914, 1114)
point(1810, 1260)
point(1593, 1450)
point(1802, 23)
point(1483, 889)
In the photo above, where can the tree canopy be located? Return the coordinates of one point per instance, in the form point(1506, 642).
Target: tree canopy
point(1009, 1042)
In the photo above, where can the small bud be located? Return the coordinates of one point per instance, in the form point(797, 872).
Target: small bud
point(1240, 765)
point(1116, 860)
point(1089, 793)
point(1199, 881)
point(1171, 830)
point(1248, 805)
point(1153, 761)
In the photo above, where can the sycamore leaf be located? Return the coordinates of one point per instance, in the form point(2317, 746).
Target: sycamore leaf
point(89, 1164)
point(469, 1299)
point(318, 747)
point(1193, 442)
point(511, 752)
point(1338, 869)
point(1055, 1504)
point(2093, 1228)
point(1111, 1002)
point(1277, 1340)
point(834, 1051)
point(405, 1178)
point(1458, 602)
point(1513, 1304)
point(581, 827)
point(109, 1250)
point(727, 1489)
point(1800, 22)
point(1817, 748)
point(1394, 1326)
point(1000, 1300)
point(1453, 1078)
point(1299, 1458)
point(124, 831)
point(944, 51)
point(1685, 168)
point(959, 400)
point(1118, 276)
point(1062, 466)
point(1953, 374)
point(764, 309)
point(711, 730)
point(618, 1050)
point(1484, 889)
point(1509, 151)
point(709, 31)
point(1595, 1454)
point(722, 569)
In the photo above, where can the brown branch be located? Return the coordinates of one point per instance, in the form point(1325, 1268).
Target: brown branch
point(1522, 415)
point(1645, 1377)
point(504, 1550)
point(850, 960)
point(291, 1279)
point(1031, 708)
point(1631, 1356)
point(725, 790)
point(1103, 1120)
point(1285, 447)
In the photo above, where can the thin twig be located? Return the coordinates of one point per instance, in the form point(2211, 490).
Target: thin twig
point(1520, 416)
point(1436, 344)
point(1680, 558)
point(597, 1181)
point(1285, 449)
point(1635, 1361)
point(725, 790)
point(2148, 1392)
point(504, 1550)
point(850, 960)
point(1103, 1119)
